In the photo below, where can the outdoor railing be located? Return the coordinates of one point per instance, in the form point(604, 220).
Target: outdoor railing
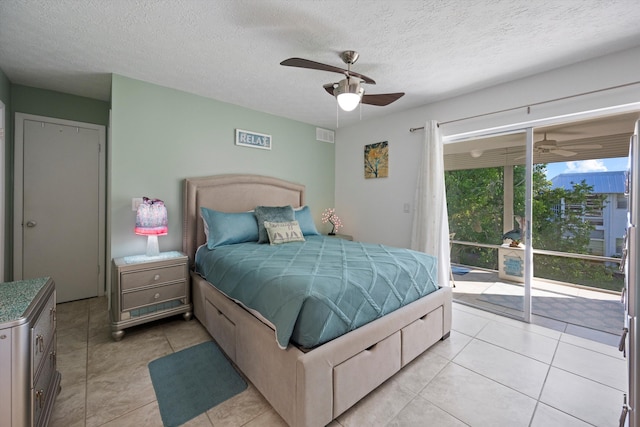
point(592, 271)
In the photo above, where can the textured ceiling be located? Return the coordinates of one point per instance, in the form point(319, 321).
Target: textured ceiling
point(231, 50)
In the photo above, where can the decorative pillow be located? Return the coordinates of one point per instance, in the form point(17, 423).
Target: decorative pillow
point(304, 218)
point(271, 214)
point(283, 232)
point(224, 228)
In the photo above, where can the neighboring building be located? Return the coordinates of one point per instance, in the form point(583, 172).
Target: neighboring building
point(610, 221)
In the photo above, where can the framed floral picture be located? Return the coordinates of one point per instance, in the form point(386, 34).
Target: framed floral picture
point(376, 160)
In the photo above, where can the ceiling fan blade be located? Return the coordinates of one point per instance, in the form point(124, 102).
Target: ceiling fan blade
point(583, 147)
point(564, 153)
point(329, 87)
point(546, 146)
point(306, 63)
point(381, 99)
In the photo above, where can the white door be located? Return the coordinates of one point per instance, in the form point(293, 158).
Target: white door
point(61, 208)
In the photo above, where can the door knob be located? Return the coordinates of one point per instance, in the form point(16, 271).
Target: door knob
point(31, 223)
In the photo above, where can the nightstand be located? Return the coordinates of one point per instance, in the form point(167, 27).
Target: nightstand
point(341, 236)
point(148, 288)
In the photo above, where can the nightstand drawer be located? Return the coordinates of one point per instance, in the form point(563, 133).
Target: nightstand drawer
point(154, 295)
point(153, 276)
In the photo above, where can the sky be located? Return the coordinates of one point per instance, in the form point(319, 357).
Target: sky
point(597, 165)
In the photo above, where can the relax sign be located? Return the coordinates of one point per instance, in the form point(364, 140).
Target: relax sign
point(253, 139)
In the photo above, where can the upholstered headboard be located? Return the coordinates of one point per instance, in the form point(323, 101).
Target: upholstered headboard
point(231, 193)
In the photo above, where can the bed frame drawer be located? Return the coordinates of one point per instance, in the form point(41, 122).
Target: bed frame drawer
point(356, 377)
point(421, 334)
point(225, 329)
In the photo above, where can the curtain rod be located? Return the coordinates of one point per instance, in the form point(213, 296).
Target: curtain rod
point(528, 106)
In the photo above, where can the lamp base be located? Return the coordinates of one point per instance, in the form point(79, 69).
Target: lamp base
point(153, 249)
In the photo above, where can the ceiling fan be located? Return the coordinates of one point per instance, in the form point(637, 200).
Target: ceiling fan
point(348, 91)
point(550, 146)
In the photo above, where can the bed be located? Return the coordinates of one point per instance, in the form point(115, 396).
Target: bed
point(307, 387)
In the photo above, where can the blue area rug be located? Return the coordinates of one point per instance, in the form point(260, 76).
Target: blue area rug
point(459, 270)
point(191, 381)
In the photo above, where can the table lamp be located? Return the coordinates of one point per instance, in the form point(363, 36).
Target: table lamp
point(151, 221)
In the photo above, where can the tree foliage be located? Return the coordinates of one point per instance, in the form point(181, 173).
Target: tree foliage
point(475, 199)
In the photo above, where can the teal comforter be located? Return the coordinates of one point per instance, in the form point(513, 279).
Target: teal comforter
point(317, 290)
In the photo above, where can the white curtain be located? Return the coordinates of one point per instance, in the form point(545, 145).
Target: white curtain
point(430, 232)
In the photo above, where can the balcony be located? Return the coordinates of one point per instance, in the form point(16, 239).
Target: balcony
point(580, 309)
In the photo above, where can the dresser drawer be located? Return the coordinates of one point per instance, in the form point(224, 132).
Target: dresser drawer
point(154, 276)
point(43, 390)
point(42, 333)
point(154, 295)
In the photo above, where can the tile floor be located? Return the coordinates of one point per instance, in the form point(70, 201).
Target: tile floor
point(472, 286)
point(492, 371)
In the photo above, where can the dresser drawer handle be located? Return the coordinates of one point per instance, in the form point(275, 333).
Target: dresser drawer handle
point(40, 398)
point(156, 296)
point(39, 343)
point(156, 277)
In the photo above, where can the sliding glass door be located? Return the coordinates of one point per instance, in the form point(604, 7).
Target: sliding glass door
point(538, 221)
point(487, 195)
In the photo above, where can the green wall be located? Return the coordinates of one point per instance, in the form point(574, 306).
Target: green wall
point(161, 136)
point(5, 168)
point(59, 105)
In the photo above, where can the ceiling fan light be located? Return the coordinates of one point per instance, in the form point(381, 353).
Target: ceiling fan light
point(348, 101)
point(348, 93)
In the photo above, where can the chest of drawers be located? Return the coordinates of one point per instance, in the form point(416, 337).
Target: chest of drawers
point(148, 288)
point(30, 380)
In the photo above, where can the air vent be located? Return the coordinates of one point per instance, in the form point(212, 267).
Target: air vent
point(325, 135)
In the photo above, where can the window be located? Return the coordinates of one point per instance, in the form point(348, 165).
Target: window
point(621, 202)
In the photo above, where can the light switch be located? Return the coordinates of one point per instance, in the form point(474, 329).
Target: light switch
point(135, 202)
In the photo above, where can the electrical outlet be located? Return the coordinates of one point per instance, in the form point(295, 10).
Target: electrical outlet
point(406, 208)
point(135, 202)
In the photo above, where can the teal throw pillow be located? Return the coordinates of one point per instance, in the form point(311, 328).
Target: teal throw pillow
point(271, 214)
point(304, 218)
point(224, 228)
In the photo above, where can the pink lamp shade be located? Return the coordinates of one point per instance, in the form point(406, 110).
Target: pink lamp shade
point(151, 221)
point(151, 218)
